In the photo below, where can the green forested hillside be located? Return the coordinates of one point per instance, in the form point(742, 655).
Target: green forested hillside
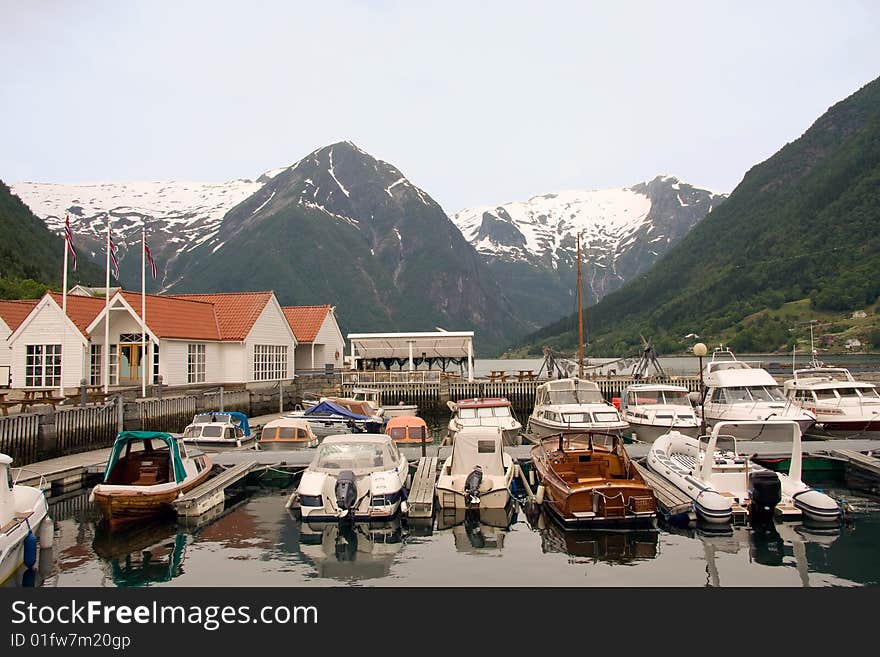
point(801, 225)
point(31, 256)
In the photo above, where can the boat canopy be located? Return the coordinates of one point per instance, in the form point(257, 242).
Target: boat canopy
point(327, 407)
point(481, 446)
point(126, 437)
point(238, 419)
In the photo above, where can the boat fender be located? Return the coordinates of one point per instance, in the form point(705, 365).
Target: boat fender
point(47, 533)
point(539, 494)
point(404, 507)
point(30, 547)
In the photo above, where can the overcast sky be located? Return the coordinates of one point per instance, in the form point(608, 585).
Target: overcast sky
point(476, 102)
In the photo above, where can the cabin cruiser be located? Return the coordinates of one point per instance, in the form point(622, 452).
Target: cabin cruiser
point(287, 433)
point(844, 407)
point(722, 482)
point(478, 473)
point(23, 510)
point(367, 401)
point(573, 405)
point(353, 477)
point(146, 471)
point(484, 412)
point(328, 418)
point(653, 409)
point(747, 396)
point(215, 431)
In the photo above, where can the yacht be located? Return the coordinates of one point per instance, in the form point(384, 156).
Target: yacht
point(572, 405)
point(484, 412)
point(844, 407)
point(737, 391)
point(22, 511)
point(652, 409)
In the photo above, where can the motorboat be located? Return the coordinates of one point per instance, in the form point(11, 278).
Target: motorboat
point(328, 418)
point(484, 412)
point(572, 405)
point(23, 511)
point(652, 409)
point(367, 401)
point(478, 473)
point(352, 477)
point(746, 395)
point(723, 483)
point(145, 472)
point(844, 407)
point(408, 429)
point(287, 433)
point(589, 481)
point(219, 431)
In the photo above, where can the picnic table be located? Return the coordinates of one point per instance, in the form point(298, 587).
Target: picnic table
point(4, 403)
point(497, 375)
point(39, 396)
point(94, 395)
point(526, 375)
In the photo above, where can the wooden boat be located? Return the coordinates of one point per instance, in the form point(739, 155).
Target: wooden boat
point(407, 429)
point(589, 484)
point(287, 433)
point(143, 483)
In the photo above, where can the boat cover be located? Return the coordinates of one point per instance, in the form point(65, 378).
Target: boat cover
point(125, 437)
point(329, 408)
point(481, 446)
point(238, 419)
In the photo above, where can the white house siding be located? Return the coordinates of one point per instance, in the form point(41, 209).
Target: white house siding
point(173, 358)
point(271, 328)
point(232, 361)
point(328, 342)
point(49, 326)
point(5, 351)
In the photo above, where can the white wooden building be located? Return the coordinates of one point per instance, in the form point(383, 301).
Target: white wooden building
point(320, 343)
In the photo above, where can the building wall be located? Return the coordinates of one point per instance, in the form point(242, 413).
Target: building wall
point(49, 326)
point(271, 328)
point(173, 360)
point(328, 342)
point(5, 351)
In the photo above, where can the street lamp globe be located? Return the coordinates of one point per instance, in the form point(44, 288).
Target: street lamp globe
point(700, 349)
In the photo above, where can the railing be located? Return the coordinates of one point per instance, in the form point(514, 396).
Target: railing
point(390, 376)
point(86, 428)
point(237, 400)
point(19, 437)
point(171, 414)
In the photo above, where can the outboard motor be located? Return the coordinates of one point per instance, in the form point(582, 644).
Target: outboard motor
point(346, 492)
point(472, 486)
point(765, 492)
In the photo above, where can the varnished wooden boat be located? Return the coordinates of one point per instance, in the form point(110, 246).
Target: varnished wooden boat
point(589, 481)
point(143, 483)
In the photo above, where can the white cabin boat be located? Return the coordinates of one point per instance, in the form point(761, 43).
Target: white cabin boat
point(478, 473)
point(352, 477)
point(738, 392)
point(219, 431)
point(484, 412)
point(572, 405)
point(722, 482)
point(23, 509)
point(367, 401)
point(652, 409)
point(844, 407)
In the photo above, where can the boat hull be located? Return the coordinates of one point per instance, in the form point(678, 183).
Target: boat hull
point(538, 429)
point(769, 432)
point(648, 433)
point(846, 429)
point(220, 445)
point(12, 540)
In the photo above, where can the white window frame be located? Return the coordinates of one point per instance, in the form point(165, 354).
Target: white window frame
point(195, 362)
point(270, 362)
point(38, 366)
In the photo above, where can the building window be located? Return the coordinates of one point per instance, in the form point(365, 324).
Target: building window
point(155, 362)
point(195, 363)
point(96, 359)
point(270, 362)
point(43, 366)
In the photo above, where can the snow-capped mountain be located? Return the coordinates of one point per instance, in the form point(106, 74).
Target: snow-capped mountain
point(533, 243)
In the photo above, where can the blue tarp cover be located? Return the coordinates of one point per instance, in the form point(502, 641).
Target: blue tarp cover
point(329, 408)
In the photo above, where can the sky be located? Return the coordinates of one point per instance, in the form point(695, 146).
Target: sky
point(475, 102)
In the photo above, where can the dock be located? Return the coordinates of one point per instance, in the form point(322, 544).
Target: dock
point(208, 495)
point(421, 493)
point(858, 460)
point(671, 500)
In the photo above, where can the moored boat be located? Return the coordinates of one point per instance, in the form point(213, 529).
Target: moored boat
point(844, 407)
point(572, 405)
point(287, 433)
point(652, 409)
point(23, 509)
point(478, 473)
point(589, 481)
point(407, 429)
point(144, 483)
point(484, 412)
point(217, 431)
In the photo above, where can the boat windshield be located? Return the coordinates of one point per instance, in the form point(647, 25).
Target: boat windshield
point(335, 457)
point(752, 394)
point(575, 397)
point(647, 397)
point(487, 411)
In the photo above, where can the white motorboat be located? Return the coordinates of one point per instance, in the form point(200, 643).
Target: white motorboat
point(844, 407)
point(367, 401)
point(216, 431)
point(484, 412)
point(478, 473)
point(746, 395)
point(652, 409)
point(287, 433)
point(328, 418)
point(352, 477)
point(23, 509)
point(572, 406)
point(722, 482)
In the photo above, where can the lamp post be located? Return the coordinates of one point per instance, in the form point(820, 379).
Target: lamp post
point(700, 350)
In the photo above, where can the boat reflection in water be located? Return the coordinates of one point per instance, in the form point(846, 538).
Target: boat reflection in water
point(351, 550)
point(142, 555)
point(620, 546)
point(767, 544)
point(477, 531)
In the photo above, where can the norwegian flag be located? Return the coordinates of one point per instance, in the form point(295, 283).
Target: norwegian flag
point(150, 260)
point(68, 239)
point(113, 262)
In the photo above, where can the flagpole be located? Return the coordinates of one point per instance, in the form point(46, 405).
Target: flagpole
point(107, 316)
point(144, 359)
point(64, 309)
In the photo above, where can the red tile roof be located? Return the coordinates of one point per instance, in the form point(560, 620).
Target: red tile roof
point(236, 311)
point(81, 310)
point(13, 312)
point(173, 317)
point(305, 321)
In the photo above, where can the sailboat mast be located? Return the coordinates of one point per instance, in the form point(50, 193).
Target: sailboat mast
point(580, 314)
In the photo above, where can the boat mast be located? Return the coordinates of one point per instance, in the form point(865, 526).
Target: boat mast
point(580, 314)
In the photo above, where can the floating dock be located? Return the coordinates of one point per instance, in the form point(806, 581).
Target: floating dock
point(421, 493)
point(212, 493)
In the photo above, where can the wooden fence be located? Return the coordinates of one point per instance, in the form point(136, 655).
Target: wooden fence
point(86, 428)
point(19, 435)
point(171, 414)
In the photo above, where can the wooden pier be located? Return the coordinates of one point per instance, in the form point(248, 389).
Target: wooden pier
point(858, 460)
point(421, 492)
point(671, 500)
point(212, 493)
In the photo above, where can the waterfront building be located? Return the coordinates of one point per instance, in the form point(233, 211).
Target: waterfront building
point(320, 344)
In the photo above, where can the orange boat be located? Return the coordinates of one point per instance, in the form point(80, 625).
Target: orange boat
point(588, 484)
point(407, 429)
